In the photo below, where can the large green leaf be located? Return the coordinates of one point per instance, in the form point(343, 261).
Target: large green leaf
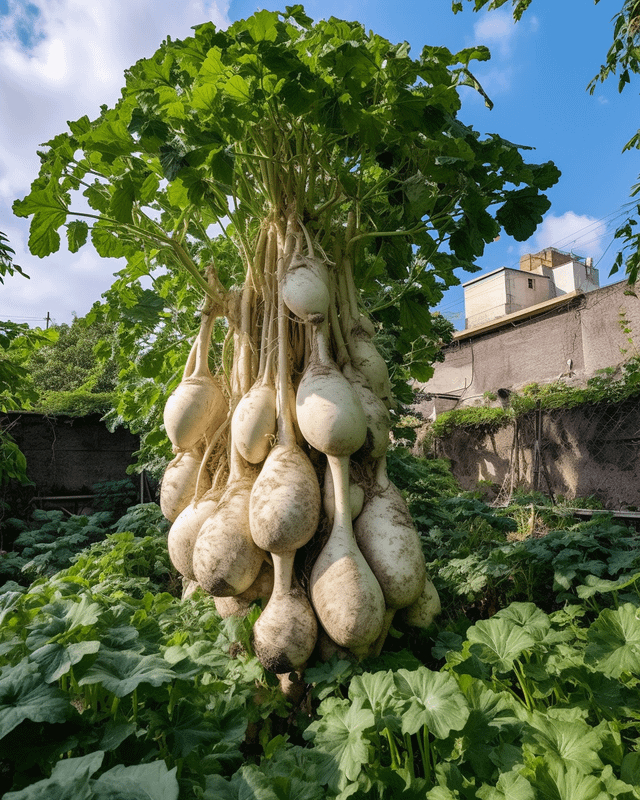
point(434, 701)
point(24, 696)
point(567, 742)
point(510, 786)
point(499, 642)
point(144, 782)
point(56, 659)
point(340, 735)
point(522, 212)
point(556, 782)
point(614, 641)
point(527, 616)
point(123, 671)
point(377, 691)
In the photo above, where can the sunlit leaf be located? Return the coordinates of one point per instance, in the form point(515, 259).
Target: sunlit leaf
point(499, 642)
point(434, 702)
point(614, 641)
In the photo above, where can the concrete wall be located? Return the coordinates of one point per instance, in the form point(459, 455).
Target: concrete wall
point(587, 330)
point(586, 451)
point(526, 289)
point(68, 455)
point(575, 275)
point(485, 299)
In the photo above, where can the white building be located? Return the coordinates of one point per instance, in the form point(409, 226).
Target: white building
point(541, 277)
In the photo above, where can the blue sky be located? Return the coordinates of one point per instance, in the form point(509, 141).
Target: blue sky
point(60, 59)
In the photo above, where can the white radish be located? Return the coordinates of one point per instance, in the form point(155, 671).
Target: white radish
point(425, 609)
point(239, 605)
point(178, 487)
point(253, 424)
point(226, 560)
point(197, 406)
point(367, 360)
point(305, 288)
point(285, 501)
point(387, 537)
point(376, 413)
point(285, 633)
point(185, 530)
point(329, 412)
point(346, 596)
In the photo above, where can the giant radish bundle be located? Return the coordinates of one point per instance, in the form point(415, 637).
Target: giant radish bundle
point(288, 173)
point(306, 330)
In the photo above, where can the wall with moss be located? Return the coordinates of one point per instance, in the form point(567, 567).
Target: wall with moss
point(588, 450)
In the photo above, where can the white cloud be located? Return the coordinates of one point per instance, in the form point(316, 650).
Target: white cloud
point(578, 233)
point(496, 29)
point(503, 36)
point(59, 60)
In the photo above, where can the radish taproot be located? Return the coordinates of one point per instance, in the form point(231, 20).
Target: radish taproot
point(425, 609)
point(284, 509)
point(345, 593)
point(178, 487)
point(185, 530)
point(285, 633)
point(305, 288)
point(226, 561)
point(329, 413)
point(253, 424)
point(391, 546)
point(197, 407)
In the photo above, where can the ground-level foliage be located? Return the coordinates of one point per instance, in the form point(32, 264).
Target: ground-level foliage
point(527, 686)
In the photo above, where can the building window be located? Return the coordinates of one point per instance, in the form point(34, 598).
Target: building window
point(531, 283)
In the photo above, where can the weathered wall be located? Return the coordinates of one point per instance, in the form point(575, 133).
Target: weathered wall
point(68, 455)
point(586, 330)
point(588, 450)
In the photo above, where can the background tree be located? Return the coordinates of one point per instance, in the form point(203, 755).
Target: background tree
point(622, 59)
point(70, 362)
point(17, 345)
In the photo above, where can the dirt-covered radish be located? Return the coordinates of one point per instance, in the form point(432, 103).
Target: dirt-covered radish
point(197, 407)
point(366, 359)
point(239, 605)
point(425, 609)
point(226, 560)
point(285, 633)
point(285, 501)
point(387, 537)
point(376, 414)
point(185, 529)
point(329, 412)
point(345, 593)
point(178, 487)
